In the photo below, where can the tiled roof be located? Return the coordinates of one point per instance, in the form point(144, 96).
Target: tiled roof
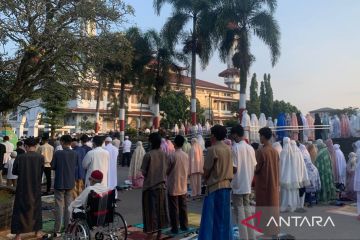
point(230, 72)
point(200, 83)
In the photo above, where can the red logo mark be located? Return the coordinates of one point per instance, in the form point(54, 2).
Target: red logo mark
point(257, 217)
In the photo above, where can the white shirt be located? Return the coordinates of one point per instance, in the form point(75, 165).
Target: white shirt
point(9, 166)
point(97, 159)
point(126, 146)
point(112, 174)
point(81, 200)
point(244, 160)
point(9, 149)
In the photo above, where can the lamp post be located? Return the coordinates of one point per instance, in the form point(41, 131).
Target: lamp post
point(210, 117)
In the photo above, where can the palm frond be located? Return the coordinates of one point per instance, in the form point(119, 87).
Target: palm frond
point(158, 4)
point(267, 29)
point(173, 28)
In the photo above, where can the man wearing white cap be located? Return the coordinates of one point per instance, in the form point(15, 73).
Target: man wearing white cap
point(112, 173)
point(126, 152)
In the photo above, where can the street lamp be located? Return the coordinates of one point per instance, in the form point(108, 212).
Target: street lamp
point(210, 115)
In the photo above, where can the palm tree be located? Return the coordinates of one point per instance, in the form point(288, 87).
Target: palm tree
point(113, 65)
point(162, 67)
point(196, 41)
point(237, 22)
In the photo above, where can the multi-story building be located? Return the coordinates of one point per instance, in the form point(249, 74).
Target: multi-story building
point(216, 99)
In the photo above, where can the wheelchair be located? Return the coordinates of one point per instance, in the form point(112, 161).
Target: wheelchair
point(98, 221)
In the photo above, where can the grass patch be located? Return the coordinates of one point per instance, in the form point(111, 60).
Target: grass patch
point(5, 197)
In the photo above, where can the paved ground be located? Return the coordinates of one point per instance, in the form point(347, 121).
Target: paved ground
point(346, 225)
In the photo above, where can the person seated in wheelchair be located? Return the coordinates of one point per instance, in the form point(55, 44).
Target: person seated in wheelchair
point(95, 203)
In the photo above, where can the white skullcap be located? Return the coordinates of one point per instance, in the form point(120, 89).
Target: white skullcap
point(108, 139)
point(126, 137)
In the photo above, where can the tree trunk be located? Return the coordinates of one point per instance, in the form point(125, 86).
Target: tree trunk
point(156, 121)
point(141, 105)
point(97, 111)
point(52, 132)
point(193, 73)
point(243, 84)
point(122, 111)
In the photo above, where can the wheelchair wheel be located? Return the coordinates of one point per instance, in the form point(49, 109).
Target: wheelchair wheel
point(117, 230)
point(78, 230)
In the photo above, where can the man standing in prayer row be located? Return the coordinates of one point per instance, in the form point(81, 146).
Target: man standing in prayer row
point(154, 168)
point(79, 170)
point(244, 162)
point(267, 183)
point(113, 152)
point(218, 173)
point(19, 148)
point(97, 159)
point(323, 164)
point(27, 206)
point(85, 143)
point(126, 157)
point(64, 165)
point(47, 151)
point(177, 172)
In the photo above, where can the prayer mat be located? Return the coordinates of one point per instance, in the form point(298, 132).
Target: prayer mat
point(349, 210)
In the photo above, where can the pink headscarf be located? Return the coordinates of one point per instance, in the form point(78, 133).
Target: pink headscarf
point(331, 149)
point(345, 126)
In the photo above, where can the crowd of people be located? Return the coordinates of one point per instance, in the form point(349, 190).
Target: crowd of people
point(77, 168)
point(230, 173)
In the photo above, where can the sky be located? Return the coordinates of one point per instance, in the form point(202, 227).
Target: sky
point(319, 64)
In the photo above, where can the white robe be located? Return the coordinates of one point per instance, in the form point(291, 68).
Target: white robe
point(341, 164)
point(245, 123)
point(97, 159)
point(357, 171)
point(293, 175)
point(254, 129)
point(112, 174)
point(306, 127)
point(262, 120)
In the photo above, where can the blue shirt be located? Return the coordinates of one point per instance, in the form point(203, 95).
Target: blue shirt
point(79, 170)
point(64, 163)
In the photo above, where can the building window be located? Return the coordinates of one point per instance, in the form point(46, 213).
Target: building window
point(101, 95)
point(134, 99)
point(223, 106)
point(85, 94)
point(216, 93)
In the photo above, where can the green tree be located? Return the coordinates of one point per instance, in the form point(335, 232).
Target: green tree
point(111, 60)
point(269, 93)
point(263, 108)
point(47, 34)
point(86, 125)
point(253, 105)
point(54, 101)
point(176, 107)
point(237, 21)
point(283, 107)
point(162, 67)
point(196, 41)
